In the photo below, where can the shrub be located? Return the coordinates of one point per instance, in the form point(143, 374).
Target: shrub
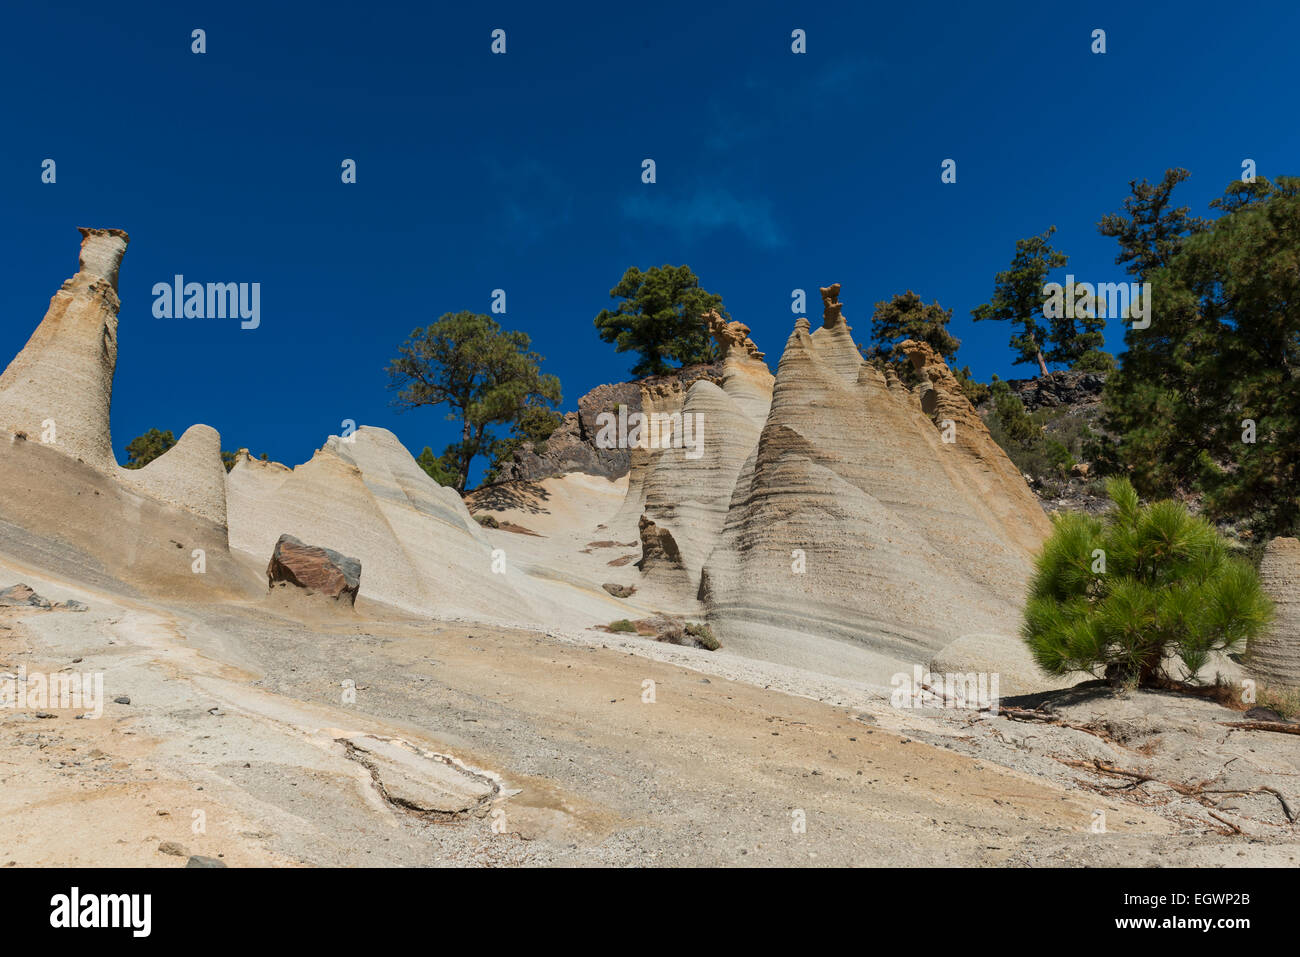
point(621, 625)
point(1285, 701)
point(1022, 436)
point(703, 636)
point(975, 392)
point(1127, 592)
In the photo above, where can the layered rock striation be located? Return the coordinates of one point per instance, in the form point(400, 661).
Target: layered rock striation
point(1275, 658)
point(860, 540)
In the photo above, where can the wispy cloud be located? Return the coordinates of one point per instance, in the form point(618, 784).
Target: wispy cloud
point(530, 201)
point(707, 210)
point(815, 96)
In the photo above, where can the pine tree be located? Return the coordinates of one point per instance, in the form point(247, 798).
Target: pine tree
point(1142, 397)
point(1123, 594)
point(1208, 398)
point(660, 318)
point(143, 449)
point(488, 377)
point(1243, 391)
point(443, 469)
point(906, 316)
point(1148, 231)
point(1018, 297)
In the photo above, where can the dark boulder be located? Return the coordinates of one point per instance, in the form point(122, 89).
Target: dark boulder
point(316, 569)
point(22, 595)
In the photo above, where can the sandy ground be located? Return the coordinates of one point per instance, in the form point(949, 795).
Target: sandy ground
point(484, 746)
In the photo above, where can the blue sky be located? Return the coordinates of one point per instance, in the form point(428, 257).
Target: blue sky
point(475, 172)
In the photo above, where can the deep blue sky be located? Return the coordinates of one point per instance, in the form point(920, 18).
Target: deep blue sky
point(523, 171)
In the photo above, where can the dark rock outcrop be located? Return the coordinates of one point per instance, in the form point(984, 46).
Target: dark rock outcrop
point(1065, 387)
point(317, 569)
point(572, 446)
point(1068, 402)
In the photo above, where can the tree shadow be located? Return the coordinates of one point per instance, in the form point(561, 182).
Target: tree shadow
point(519, 495)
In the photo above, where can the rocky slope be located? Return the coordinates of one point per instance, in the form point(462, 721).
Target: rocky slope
point(1068, 404)
point(837, 533)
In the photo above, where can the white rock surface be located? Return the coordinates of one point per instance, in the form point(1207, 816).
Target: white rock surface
point(1276, 657)
point(911, 546)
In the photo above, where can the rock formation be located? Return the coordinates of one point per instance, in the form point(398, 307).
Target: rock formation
point(572, 447)
point(59, 389)
point(858, 541)
point(1275, 658)
point(828, 517)
point(684, 490)
point(986, 470)
point(63, 377)
point(422, 550)
point(731, 335)
point(366, 496)
point(22, 595)
point(1062, 387)
point(189, 475)
point(321, 570)
point(658, 547)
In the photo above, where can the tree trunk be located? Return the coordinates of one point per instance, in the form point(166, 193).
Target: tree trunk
point(1042, 366)
point(464, 457)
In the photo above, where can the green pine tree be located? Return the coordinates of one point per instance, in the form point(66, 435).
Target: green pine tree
point(1123, 595)
point(1149, 232)
point(1018, 298)
point(1207, 400)
point(906, 316)
point(486, 375)
point(143, 449)
point(443, 469)
point(660, 319)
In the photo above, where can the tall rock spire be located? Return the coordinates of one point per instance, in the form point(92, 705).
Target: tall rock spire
point(61, 385)
point(59, 389)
